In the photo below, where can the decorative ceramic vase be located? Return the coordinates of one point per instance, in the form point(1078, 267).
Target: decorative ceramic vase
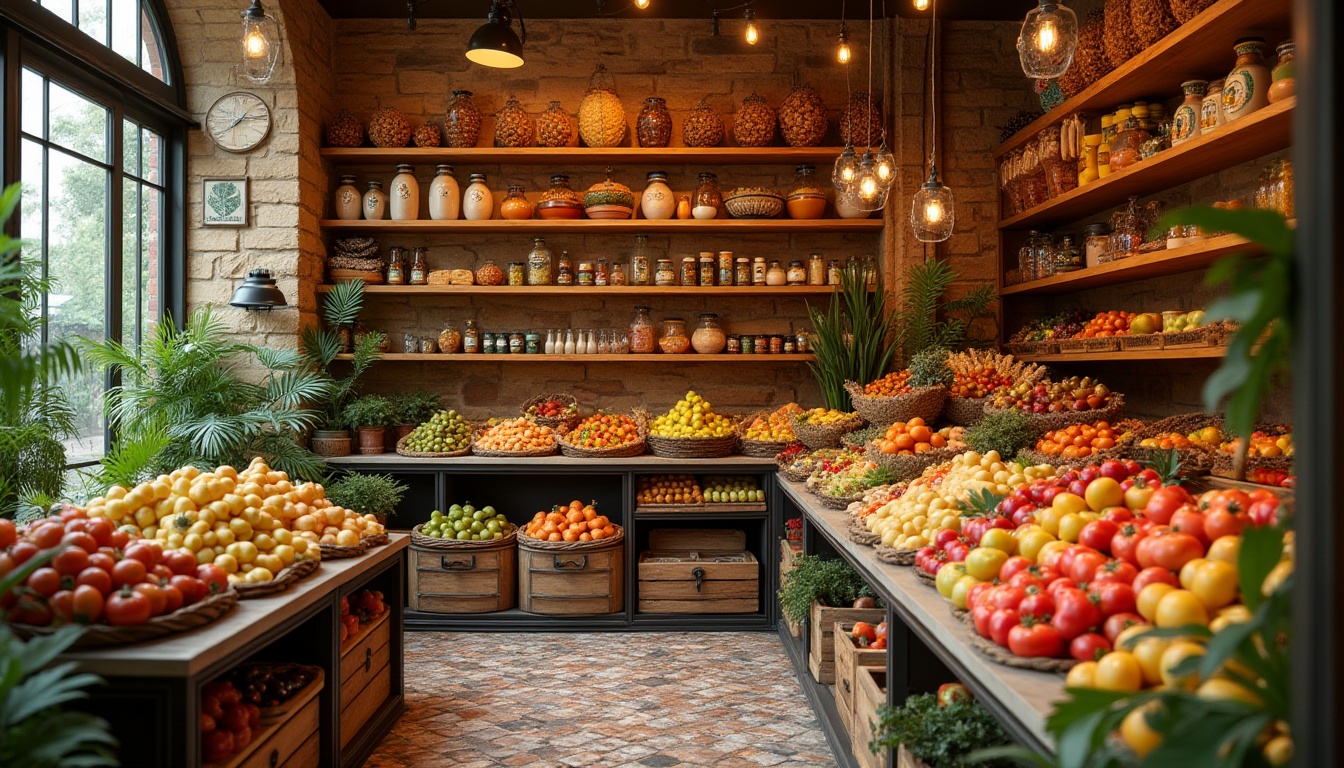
point(1185, 122)
point(478, 204)
point(375, 202)
point(348, 200)
point(658, 202)
point(1211, 109)
point(1246, 89)
point(1284, 74)
point(405, 202)
point(444, 203)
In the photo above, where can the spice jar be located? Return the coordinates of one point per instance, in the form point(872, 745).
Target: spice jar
point(450, 341)
point(1127, 146)
point(758, 271)
point(746, 345)
point(801, 342)
point(1211, 116)
point(797, 274)
point(517, 342)
point(396, 265)
point(734, 345)
point(600, 274)
point(707, 268)
point(586, 275)
point(806, 198)
point(707, 197)
point(532, 343)
point(1097, 238)
point(564, 270)
point(517, 272)
point(742, 271)
point(1067, 256)
point(653, 127)
point(618, 274)
point(816, 270)
point(516, 206)
point(776, 345)
point(641, 332)
point(762, 344)
point(640, 273)
point(478, 202)
point(1185, 121)
point(428, 345)
point(689, 272)
point(725, 267)
point(348, 200)
point(405, 201)
point(790, 346)
point(488, 343)
point(375, 202)
point(420, 266)
point(658, 202)
point(462, 123)
point(684, 207)
point(1246, 89)
point(665, 274)
point(708, 338)
point(1284, 73)
point(471, 338)
point(539, 263)
point(776, 275)
point(560, 201)
point(673, 340)
point(834, 272)
point(410, 343)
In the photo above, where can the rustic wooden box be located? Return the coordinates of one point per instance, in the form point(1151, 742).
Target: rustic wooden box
point(476, 580)
point(288, 739)
point(821, 656)
point(366, 675)
point(787, 555)
point(869, 696)
point(582, 582)
point(849, 658)
point(698, 571)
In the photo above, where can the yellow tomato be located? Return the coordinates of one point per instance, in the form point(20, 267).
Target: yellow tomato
point(1065, 503)
point(1279, 750)
point(1126, 640)
point(227, 563)
point(271, 563)
point(1214, 582)
point(285, 552)
point(1178, 608)
point(1070, 526)
point(984, 563)
point(205, 556)
point(1276, 577)
point(193, 542)
point(1149, 598)
point(258, 576)
point(1082, 675)
point(960, 590)
point(1119, 671)
point(225, 535)
point(1000, 539)
point(1220, 688)
point(1137, 733)
point(240, 528)
point(145, 517)
point(1148, 653)
point(1187, 573)
point(1029, 546)
point(1054, 548)
point(1048, 519)
point(1176, 653)
point(947, 578)
point(1225, 549)
point(1232, 614)
point(247, 551)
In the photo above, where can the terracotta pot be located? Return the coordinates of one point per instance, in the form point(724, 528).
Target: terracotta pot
point(331, 442)
point(404, 430)
point(372, 440)
point(394, 434)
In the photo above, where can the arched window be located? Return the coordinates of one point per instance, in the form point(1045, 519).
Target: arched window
point(94, 127)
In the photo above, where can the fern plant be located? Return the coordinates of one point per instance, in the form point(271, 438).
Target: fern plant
point(417, 407)
point(922, 304)
point(319, 348)
point(853, 338)
point(928, 368)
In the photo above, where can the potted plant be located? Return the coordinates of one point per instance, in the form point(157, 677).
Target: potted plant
point(825, 592)
point(371, 415)
point(367, 494)
point(940, 731)
point(320, 347)
point(415, 408)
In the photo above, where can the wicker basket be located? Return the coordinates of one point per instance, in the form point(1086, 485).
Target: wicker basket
point(859, 533)
point(1124, 448)
point(693, 447)
point(856, 440)
point(924, 402)
point(570, 546)
point(1043, 347)
point(1007, 658)
point(287, 577)
point(816, 436)
point(376, 540)
point(182, 620)
point(1045, 422)
point(761, 449)
point(338, 551)
point(338, 275)
point(422, 541)
point(1101, 344)
point(560, 424)
point(1187, 339)
point(1072, 346)
point(626, 451)
point(895, 556)
point(925, 577)
point(476, 450)
point(1140, 342)
point(965, 411)
point(906, 468)
point(401, 451)
point(837, 502)
point(1195, 461)
point(786, 469)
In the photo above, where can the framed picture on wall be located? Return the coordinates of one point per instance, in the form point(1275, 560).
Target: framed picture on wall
point(224, 202)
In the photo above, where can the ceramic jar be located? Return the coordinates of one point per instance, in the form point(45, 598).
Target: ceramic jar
point(658, 202)
point(653, 127)
point(444, 203)
point(806, 198)
point(405, 202)
point(515, 206)
point(1284, 74)
point(1185, 121)
point(462, 123)
point(348, 200)
point(1211, 109)
point(478, 203)
point(375, 202)
point(1246, 89)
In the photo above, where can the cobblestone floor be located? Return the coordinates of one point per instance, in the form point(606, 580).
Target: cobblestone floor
point(639, 700)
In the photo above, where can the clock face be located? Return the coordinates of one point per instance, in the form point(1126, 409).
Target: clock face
point(238, 121)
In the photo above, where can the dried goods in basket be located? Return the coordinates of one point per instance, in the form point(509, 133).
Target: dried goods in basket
point(514, 438)
point(558, 411)
point(182, 620)
point(607, 436)
point(822, 428)
point(287, 577)
point(922, 402)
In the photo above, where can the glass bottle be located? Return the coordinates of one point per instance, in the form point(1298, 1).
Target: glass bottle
point(658, 202)
point(1068, 258)
point(405, 202)
point(653, 127)
point(816, 270)
point(758, 271)
point(396, 265)
point(601, 275)
point(673, 340)
point(1246, 89)
point(1211, 116)
point(478, 202)
point(539, 263)
point(707, 197)
point(709, 338)
point(348, 200)
point(515, 206)
point(1026, 257)
point(797, 274)
point(516, 272)
point(571, 346)
point(834, 272)
point(1097, 243)
point(564, 270)
point(462, 123)
point(641, 332)
point(1185, 122)
point(590, 344)
point(1127, 146)
point(471, 338)
point(684, 207)
point(445, 202)
point(375, 202)
point(806, 198)
point(549, 347)
point(618, 274)
point(1104, 148)
point(419, 266)
point(1284, 73)
point(639, 261)
point(776, 275)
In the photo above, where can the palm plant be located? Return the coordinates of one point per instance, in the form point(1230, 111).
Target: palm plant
point(922, 303)
point(320, 347)
point(184, 399)
point(853, 338)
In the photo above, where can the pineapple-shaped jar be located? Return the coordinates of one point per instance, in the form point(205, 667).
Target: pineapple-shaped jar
point(601, 116)
point(802, 118)
point(702, 128)
point(755, 122)
point(861, 122)
point(389, 128)
point(462, 124)
point(514, 127)
point(556, 127)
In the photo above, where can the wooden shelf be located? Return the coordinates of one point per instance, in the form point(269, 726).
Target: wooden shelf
point(1170, 261)
point(571, 156)
point(1191, 353)
point(598, 226)
point(391, 462)
point(587, 291)
point(404, 357)
point(1255, 135)
point(1201, 48)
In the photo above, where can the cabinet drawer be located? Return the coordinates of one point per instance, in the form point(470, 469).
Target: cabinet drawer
point(288, 740)
point(362, 656)
point(358, 707)
point(307, 755)
point(371, 660)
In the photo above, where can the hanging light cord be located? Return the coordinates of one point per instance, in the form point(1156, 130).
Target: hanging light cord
point(933, 88)
point(869, 127)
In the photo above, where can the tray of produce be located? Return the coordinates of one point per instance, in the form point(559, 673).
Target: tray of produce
point(274, 688)
point(230, 729)
point(722, 493)
point(607, 436)
point(765, 434)
point(1079, 445)
point(361, 613)
point(976, 374)
point(691, 430)
point(907, 448)
point(573, 526)
point(446, 434)
point(559, 412)
point(464, 527)
point(514, 438)
point(1051, 405)
point(823, 427)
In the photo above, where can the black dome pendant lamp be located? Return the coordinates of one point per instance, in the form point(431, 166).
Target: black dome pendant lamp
point(258, 292)
point(494, 44)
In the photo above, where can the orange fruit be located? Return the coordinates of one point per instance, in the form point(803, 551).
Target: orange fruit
point(905, 442)
point(921, 434)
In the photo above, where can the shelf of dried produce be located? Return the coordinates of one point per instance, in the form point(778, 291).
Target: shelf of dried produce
point(569, 156)
point(600, 226)
point(406, 357)
point(600, 291)
point(1169, 261)
point(1186, 353)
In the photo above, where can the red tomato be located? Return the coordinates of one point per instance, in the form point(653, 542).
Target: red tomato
point(1125, 543)
point(1004, 596)
point(145, 553)
point(7, 563)
point(863, 631)
point(126, 607)
point(235, 717)
point(88, 604)
point(1038, 605)
point(1089, 646)
point(1035, 641)
point(120, 539)
point(173, 598)
point(180, 562)
point(1119, 622)
point(1085, 566)
point(1074, 613)
point(1164, 503)
point(101, 531)
point(9, 533)
point(973, 596)
point(1117, 515)
point(82, 540)
point(62, 606)
point(214, 577)
point(217, 745)
point(1025, 579)
point(128, 572)
point(30, 609)
point(1264, 512)
point(1228, 500)
point(1154, 575)
point(192, 588)
point(1169, 549)
point(102, 560)
point(160, 572)
point(70, 561)
point(158, 601)
point(1115, 572)
point(1220, 522)
point(1113, 598)
point(207, 723)
point(95, 577)
point(881, 630)
point(1071, 553)
point(957, 551)
point(1001, 624)
point(44, 581)
point(70, 512)
point(46, 535)
point(1013, 566)
point(241, 738)
point(1098, 534)
point(1189, 519)
point(944, 537)
point(980, 616)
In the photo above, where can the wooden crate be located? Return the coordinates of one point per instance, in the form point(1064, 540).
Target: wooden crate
point(586, 582)
point(292, 736)
point(698, 571)
point(849, 658)
point(787, 556)
point(366, 675)
point(905, 759)
point(821, 656)
point(869, 696)
point(470, 581)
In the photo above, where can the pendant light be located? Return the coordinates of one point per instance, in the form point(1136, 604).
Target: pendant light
point(864, 183)
point(1047, 41)
point(843, 54)
point(932, 213)
point(258, 292)
point(846, 168)
point(641, 4)
point(752, 34)
point(494, 44)
point(261, 43)
point(921, 5)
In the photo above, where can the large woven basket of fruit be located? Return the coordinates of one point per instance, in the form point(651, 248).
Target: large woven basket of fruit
point(765, 434)
point(281, 581)
point(793, 463)
point(607, 436)
point(691, 430)
point(976, 374)
point(100, 635)
point(823, 427)
point(1051, 405)
point(574, 526)
point(1270, 450)
point(457, 530)
point(907, 448)
point(891, 399)
point(559, 412)
point(1079, 445)
point(514, 438)
point(1195, 437)
point(446, 434)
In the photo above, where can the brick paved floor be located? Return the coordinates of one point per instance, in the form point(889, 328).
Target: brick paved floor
point(615, 700)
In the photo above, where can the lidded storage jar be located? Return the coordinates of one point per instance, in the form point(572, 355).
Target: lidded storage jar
point(1284, 74)
point(754, 124)
point(515, 206)
point(462, 123)
point(1246, 89)
point(673, 340)
point(702, 127)
point(806, 198)
point(658, 202)
point(348, 199)
point(708, 198)
point(514, 127)
point(478, 202)
point(556, 127)
point(444, 203)
point(1185, 122)
point(709, 338)
point(653, 127)
point(560, 201)
point(641, 332)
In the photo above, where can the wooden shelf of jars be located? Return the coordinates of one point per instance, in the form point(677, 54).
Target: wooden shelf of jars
point(1201, 48)
point(406, 357)
point(1169, 261)
point(598, 226)
point(773, 291)
point(1188, 353)
point(1256, 135)
point(568, 156)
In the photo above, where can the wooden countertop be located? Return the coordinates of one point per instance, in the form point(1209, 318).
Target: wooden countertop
point(1022, 699)
point(192, 652)
point(648, 461)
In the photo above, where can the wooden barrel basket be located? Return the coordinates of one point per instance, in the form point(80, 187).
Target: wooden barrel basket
point(571, 578)
point(462, 577)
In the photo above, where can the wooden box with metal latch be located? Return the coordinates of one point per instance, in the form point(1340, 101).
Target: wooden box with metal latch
point(698, 571)
point(474, 579)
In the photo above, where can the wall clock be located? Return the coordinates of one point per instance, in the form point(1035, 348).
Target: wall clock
point(238, 121)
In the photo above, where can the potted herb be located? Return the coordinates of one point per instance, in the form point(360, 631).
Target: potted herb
point(320, 347)
point(371, 415)
point(939, 734)
point(414, 409)
point(367, 494)
point(825, 592)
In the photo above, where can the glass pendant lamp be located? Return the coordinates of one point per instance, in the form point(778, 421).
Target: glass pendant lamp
point(846, 169)
point(1047, 41)
point(261, 43)
point(869, 191)
point(933, 214)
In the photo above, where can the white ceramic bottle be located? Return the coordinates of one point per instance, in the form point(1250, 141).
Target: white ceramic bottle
point(444, 201)
point(570, 346)
point(375, 202)
point(478, 204)
point(405, 198)
point(348, 200)
point(658, 202)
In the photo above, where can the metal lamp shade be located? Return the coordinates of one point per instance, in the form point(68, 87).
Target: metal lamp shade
point(258, 292)
point(495, 44)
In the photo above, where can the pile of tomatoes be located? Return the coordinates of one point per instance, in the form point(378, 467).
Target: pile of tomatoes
point(360, 609)
point(553, 409)
point(227, 724)
point(1113, 323)
point(96, 573)
point(869, 635)
point(1078, 441)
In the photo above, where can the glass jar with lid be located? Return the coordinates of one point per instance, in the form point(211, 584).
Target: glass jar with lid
point(396, 265)
point(742, 271)
point(1096, 241)
point(618, 274)
point(797, 274)
point(666, 274)
point(641, 262)
point(1060, 175)
point(539, 263)
point(419, 274)
point(653, 127)
point(1068, 257)
point(708, 198)
point(517, 273)
point(1284, 74)
point(1026, 257)
point(1127, 146)
point(642, 332)
point(673, 340)
point(1045, 256)
point(709, 338)
point(758, 270)
point(806, 197)
point(706, 263)
point(471, 338)
point(601, 274)
point(816, 270)
point(776, 275)
point(689, 271)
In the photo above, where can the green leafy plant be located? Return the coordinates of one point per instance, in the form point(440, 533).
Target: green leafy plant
point(853, 339)
point(35, 731)
point(1007, 431)
point(371, 411)
point(928, 367)
point(942, 737)
point(367, 494)
point(812, 579)
point(184, 399)
point(917, 319)
point(417, 407)
point(319, 348)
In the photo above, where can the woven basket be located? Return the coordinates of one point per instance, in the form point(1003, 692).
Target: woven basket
point(551, 451)
point(837, 502)
point(559, 424)
point(1072, 346)
point(401, 450)
point(1007, 658)
point(421, 541)
point(1189, 338)
point(816, 436)
point(182, 620)
point(287, 577)
point(965, 411)
point(1101, 344)
point(1222, 465)
point(1185, 10)
point(926, 578)
point(636, 448)
point(856, 440)
point(761, 449)
point(1139, 342)
point(1046, 422)
point(1194, 460)
point(786, 469)
point(569, 546)
point(1117, 33)
point(925, 402)
point(692, 447)
point(859, 534)
point(895, 556)
point(1043, 347)
point(906, 468)
point(376, 540)
point(1123, 449)
point(338, 552)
